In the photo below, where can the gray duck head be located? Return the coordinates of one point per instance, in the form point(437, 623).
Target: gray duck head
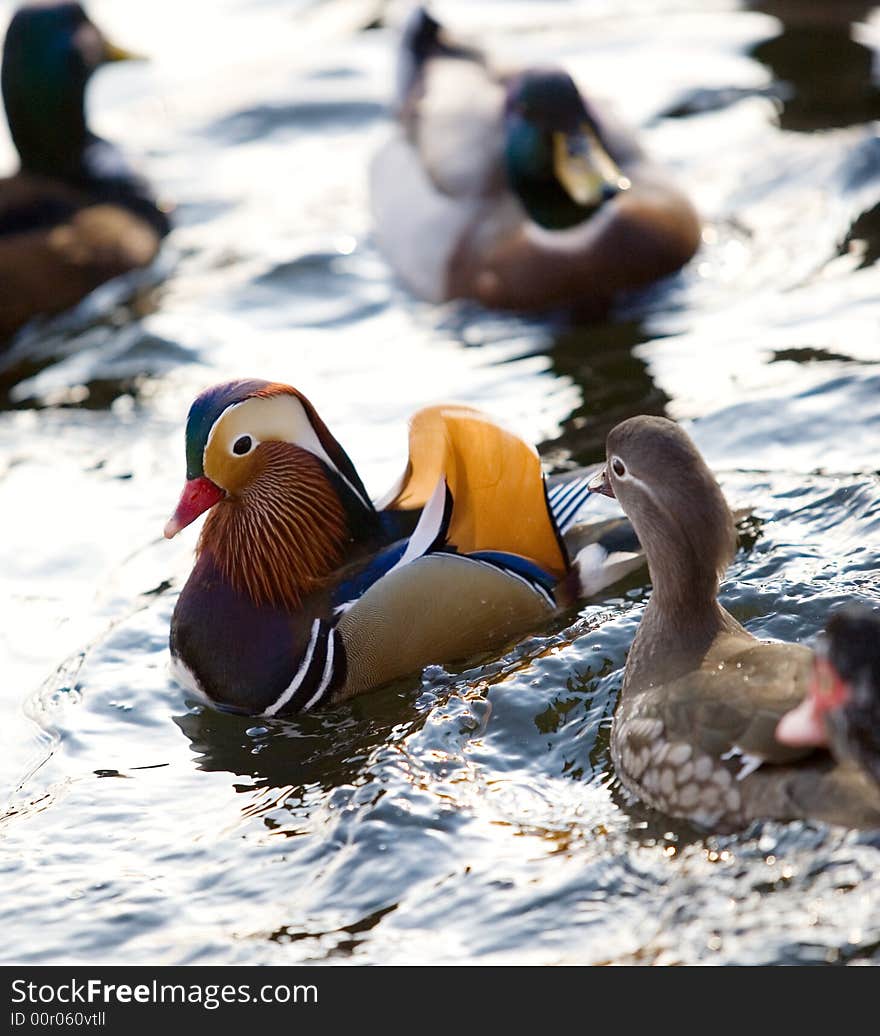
point(675, 505)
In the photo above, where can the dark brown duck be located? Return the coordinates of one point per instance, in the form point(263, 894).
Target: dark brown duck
point(75, 214)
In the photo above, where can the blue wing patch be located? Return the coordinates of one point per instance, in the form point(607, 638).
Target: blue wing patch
point(428, 536)
point(356, 585)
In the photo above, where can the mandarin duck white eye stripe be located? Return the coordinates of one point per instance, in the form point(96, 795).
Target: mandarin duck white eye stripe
point(281, 417)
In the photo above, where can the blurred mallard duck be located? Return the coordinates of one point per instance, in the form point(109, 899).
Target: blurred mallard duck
point(75, 214)
point(514, 189)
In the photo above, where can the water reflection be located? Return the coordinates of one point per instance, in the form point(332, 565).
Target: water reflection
point(824, 76)
point(327, 749)
point(340, 942)
point(261, 122)
point(863, 238)
point(615, 384)
point(93, 353)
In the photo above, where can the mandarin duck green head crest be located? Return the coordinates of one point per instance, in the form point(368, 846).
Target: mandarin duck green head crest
point(50, 52)
point(284, 498)
point(556, 161)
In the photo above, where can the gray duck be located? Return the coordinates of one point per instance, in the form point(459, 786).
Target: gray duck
point(694, 732)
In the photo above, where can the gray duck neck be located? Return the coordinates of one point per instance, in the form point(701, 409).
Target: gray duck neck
point(676, 633)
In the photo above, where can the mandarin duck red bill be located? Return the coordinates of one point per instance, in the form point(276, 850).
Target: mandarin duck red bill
point(694, 734)
point(304, 592)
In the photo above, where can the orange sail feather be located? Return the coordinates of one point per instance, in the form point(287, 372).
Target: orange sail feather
point(495, 479)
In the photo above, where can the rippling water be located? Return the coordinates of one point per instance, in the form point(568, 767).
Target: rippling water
point(462, 816)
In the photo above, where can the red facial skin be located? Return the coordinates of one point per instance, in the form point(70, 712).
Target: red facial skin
point(805, 725)
point(199, 494)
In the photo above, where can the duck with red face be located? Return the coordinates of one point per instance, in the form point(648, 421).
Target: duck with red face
point(841, 709)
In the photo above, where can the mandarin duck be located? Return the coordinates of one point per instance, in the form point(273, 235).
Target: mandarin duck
point(75, 214)
point(841, 710)
point(694, 731)
point(513, 189)
point(304, 592)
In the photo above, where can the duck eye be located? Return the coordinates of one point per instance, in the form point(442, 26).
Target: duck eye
point(619, 467)
point(242, 445)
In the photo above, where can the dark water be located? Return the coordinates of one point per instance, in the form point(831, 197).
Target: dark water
point(463, 816)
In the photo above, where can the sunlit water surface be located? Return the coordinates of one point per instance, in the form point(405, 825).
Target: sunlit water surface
point(461, 816)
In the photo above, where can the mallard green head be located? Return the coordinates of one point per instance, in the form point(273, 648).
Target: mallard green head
point(49, 55)
point(556, 161)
